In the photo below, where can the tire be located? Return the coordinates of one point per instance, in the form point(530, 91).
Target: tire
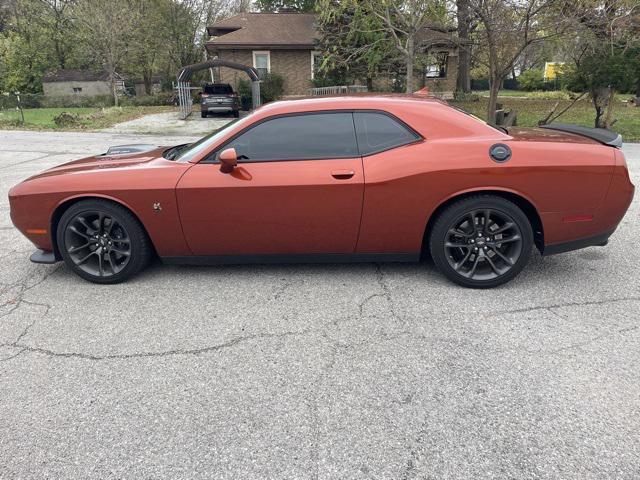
point(203, 114)
point(236, 114)
point(102, 241)
point(486, 253)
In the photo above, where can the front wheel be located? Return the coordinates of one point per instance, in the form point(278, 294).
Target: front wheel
point(102, 241)
point(481, 241)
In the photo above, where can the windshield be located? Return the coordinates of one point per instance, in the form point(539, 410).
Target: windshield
point(193, 150)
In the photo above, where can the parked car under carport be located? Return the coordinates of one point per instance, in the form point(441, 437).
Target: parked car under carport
point(219, 98)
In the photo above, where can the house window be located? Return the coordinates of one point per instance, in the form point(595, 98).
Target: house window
point(438, 66)
point(262, 62)
point(77, 89)
point(316, 61)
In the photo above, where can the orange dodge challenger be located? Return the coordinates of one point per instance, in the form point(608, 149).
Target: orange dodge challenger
point(346, 179)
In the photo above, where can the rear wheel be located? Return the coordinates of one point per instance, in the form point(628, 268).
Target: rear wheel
point(203, 114)
point(102, 241)
point(481, 241)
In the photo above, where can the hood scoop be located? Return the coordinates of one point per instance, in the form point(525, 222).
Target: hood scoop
point(128, 150)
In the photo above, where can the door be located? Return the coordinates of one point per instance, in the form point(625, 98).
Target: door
point(297, 189)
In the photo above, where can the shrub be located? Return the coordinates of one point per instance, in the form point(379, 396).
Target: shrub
point(244, 92)
point(66, 119)
point(531, 80)
point(161, 98)
point(271, 87)
point(76, 101)
point(460, 96)
point(479, 84)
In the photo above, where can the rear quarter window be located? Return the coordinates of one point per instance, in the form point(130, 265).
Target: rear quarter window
point(218, 89)
point(377, 132)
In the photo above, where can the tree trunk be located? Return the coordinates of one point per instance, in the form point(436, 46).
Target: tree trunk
point(494, 88)
point(369, 83)
point(146, 77)
point(609, 111)
point(463, 82)
point(409, 60)
point(600, 97)
point(112, 79)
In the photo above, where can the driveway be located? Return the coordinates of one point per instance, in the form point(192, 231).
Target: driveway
point(169, 123)
point(315, 371)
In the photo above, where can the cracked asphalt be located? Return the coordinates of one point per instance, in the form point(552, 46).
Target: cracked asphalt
point(314, 371)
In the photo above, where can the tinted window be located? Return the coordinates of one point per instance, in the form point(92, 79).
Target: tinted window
point(218, 89)
point(298, 137)
point(378, 132)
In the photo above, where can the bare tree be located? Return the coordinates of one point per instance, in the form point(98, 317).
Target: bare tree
point(403, 21)
point(56, 18)
point(507, 29)
point(607, 51)
point(108, 31)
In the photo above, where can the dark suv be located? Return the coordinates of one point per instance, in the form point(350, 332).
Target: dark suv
point(219, 98)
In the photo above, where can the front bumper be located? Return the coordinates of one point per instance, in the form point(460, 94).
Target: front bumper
point(42, 256)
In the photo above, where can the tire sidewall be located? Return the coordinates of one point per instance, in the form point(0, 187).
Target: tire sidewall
point(451, 213)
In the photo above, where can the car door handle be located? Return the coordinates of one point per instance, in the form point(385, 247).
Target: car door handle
point(342, 174)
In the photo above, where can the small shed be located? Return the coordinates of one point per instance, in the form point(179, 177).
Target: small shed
point(155, 85)
point(81, 83)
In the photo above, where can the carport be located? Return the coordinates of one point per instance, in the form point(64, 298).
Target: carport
point(184, 82)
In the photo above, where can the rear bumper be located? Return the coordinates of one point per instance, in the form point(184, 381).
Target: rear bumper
point(219, 108)
point(599, 240)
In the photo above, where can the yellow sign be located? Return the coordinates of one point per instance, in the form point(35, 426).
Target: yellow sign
point(552, 69)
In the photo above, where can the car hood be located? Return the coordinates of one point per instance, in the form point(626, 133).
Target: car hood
point(116, 157)
point(537, 134)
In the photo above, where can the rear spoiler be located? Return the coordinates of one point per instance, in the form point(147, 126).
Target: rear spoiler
point(602, 135)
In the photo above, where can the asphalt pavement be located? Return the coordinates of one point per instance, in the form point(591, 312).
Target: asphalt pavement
point(315, 371)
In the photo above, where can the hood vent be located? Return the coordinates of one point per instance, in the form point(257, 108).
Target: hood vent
point(128, 150)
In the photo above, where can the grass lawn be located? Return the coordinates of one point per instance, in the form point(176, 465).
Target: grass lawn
point(84, 118)
point(530, 110)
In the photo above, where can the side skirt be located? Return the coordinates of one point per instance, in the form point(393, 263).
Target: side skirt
point(297, 258)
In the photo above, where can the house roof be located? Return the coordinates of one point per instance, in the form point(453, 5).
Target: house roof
point(273, 30)
point(69, 75)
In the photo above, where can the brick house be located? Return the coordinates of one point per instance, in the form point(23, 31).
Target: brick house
point(280, 43)
point(284, 44)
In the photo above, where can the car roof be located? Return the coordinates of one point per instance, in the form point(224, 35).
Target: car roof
point(357, 101)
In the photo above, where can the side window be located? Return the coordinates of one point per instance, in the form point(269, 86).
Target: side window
point(378, 132)
point(298, 137)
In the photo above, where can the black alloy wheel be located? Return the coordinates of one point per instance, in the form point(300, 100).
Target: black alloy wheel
point(102, 241)
point(481, 241)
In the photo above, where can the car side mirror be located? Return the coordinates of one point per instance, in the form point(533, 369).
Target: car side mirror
point(228, 160)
